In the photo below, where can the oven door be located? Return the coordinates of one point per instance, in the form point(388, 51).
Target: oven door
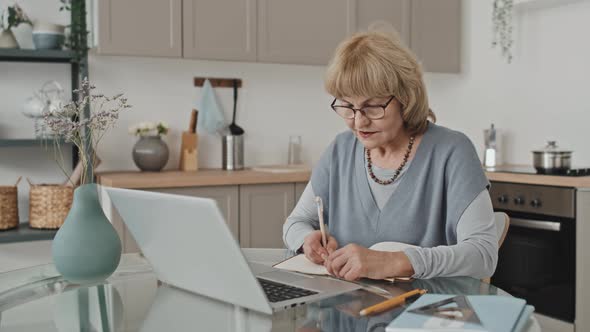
point(537, 263)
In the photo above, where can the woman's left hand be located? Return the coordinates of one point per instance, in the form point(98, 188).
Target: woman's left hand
point(353, 261)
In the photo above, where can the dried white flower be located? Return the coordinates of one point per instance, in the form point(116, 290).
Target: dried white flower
point(133, 130)
point(150, 129)
point(70, 123)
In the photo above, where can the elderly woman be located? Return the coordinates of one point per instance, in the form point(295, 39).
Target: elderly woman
point(394, 176)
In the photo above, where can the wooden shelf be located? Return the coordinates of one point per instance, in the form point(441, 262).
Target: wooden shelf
point(26, 55)
point(24, 233)
point(29, 142)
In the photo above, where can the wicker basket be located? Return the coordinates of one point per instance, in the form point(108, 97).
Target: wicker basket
point(49, 205)
point(9, 206)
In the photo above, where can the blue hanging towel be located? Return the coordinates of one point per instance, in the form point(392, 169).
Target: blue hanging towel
point(211, 118)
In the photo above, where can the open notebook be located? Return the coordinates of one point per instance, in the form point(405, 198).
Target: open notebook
point(301, 264)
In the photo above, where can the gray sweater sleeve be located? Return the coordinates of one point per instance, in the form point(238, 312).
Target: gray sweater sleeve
point(476, 251)
point(474, 255)
point(302, 220)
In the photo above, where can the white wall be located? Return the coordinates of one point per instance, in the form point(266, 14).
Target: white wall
point(276, 101)
point(541, 95)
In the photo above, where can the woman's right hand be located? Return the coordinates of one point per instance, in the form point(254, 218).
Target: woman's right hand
point(313, 249)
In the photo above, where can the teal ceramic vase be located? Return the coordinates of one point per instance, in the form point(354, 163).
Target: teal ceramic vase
point(86, 248)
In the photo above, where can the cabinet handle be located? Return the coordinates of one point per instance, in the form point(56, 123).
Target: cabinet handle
point(536, 224)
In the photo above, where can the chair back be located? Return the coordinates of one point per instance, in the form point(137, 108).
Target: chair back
point(502, 224)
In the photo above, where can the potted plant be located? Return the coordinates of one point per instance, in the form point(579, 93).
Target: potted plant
point(77, 38)
point(11, 18)
point(86, 248)
point(502, 23)
point(150, 153)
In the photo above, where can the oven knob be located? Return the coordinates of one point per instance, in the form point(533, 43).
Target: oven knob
point(503, 199)
point(519, 200)
point(535, 203)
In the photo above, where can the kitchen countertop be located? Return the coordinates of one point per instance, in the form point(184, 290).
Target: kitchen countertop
point(282, 174)
point(202, 177)
point(548, 180)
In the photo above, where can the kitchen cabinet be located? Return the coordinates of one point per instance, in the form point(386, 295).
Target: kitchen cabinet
point(275, 31)
point(430, 28)
point(140, 27)
point(299, 188)
point(219, 29)
point(255, 204)
point(304, 31)
point(263, 211)
point(435, 34)
point(394, 12)
point(226, 198)
point(255, 213)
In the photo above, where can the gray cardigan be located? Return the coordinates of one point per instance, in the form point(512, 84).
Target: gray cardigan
point(443, 179)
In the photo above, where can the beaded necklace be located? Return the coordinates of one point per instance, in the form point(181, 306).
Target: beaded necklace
point(399, 169)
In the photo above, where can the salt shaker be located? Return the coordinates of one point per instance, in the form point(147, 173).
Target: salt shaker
point(491, 156)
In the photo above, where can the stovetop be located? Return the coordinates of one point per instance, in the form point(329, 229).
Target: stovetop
point(522, 169)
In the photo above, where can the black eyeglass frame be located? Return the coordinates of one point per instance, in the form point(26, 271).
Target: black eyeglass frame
point(354, 110)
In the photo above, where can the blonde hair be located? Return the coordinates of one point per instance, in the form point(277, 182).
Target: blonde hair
point(377, 64)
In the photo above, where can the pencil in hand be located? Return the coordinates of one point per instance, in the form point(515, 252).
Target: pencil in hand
point(323, 230)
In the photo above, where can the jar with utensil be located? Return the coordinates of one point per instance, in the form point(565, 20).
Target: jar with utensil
point(233, 142)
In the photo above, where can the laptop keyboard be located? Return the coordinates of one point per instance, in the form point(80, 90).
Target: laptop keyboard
point(277, 292)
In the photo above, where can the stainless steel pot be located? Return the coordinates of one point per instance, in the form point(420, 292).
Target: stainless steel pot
point(552, 160)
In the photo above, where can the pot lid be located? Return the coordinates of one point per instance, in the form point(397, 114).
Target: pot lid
point(552, 147)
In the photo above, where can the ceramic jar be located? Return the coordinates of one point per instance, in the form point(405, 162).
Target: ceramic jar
point(48, 36)
point(150, 153)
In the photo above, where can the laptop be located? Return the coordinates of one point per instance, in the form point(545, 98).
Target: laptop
point(190, 246)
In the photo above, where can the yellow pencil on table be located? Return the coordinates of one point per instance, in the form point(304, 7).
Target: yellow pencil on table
point(323, 229)
point(392, 302)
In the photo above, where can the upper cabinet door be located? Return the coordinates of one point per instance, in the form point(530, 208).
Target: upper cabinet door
point(436, 34)
point(394, 12)
point(303, 31)
point(140, 27)
point(220, 29)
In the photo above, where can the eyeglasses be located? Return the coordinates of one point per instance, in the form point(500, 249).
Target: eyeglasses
point(373, 112)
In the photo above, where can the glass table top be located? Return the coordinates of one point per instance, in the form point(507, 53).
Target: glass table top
point(132, 299)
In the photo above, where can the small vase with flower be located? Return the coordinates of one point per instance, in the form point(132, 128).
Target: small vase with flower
point(86, 248)
point(150, 153)
point(11, 18)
